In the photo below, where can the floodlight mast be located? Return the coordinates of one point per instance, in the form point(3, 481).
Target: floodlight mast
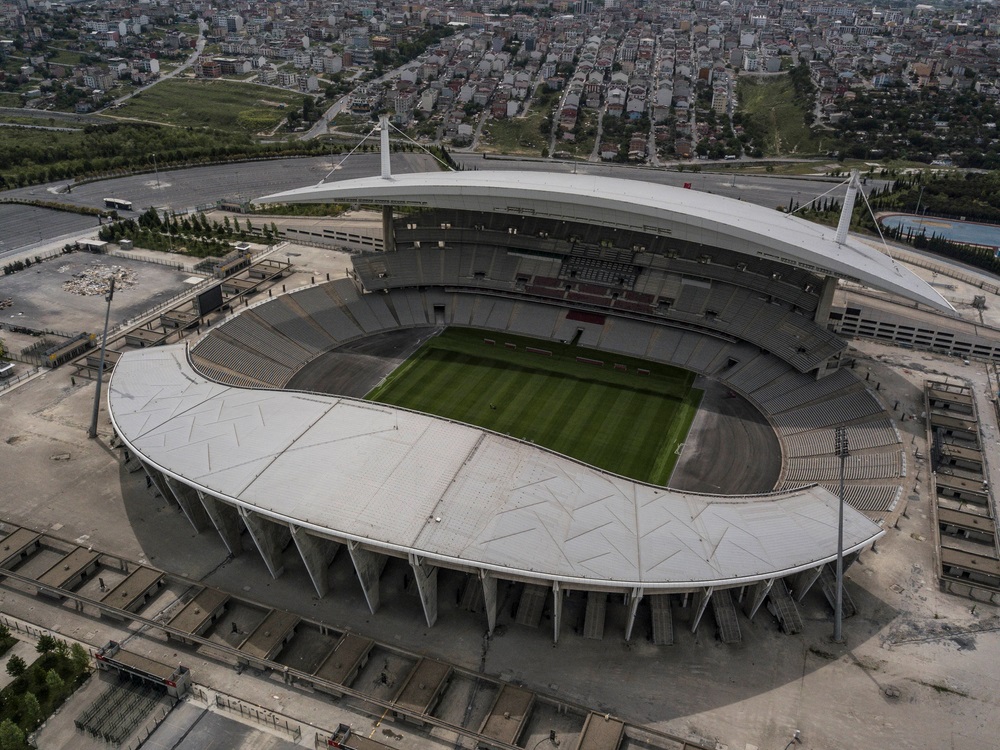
point(92, 432)
point(842, 451)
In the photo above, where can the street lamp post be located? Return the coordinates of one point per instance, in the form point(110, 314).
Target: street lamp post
point(92, 432)
point(842, 451)
point(156, 171)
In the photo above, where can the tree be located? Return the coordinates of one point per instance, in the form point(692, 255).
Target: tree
point(11, 736)
point(54, 681)
point(79, 656)
point(16, 666)
point(46, 643)
point(31, 710)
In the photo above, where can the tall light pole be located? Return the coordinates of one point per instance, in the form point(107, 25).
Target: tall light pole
point(156, 171)
point(92, 432)
point(841, 450)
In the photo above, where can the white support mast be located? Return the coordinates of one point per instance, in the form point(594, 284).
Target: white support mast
point(383, 124)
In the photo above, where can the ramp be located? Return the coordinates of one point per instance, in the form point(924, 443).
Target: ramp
point(828, 582)
point(663, 619)
point(781, 604)
point(529, 609)
point(593, 623)
point(725, 617)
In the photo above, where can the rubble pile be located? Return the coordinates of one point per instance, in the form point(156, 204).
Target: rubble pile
point(97, 277)
point(9, 302)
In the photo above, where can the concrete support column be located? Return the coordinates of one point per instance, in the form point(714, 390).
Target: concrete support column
point(632, 600)
point(822, 316)
point(369, 566)
point(226, 520)
point(701, 599)
point(802, 582)
point(317, 554)
point(156, 481)
point(556, 611)
point(489, 598)
point(850, 559)
point(426, 577)
point(191, 506)
point(388, 239)
point(270, 537)
point(758, 592)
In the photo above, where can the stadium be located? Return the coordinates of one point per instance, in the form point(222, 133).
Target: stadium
point(638, 326)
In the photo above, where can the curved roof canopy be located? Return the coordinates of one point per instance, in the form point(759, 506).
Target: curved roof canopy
point(409, 483)
point(689, 215)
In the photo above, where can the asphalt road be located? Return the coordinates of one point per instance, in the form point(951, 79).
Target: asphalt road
point(22, 226)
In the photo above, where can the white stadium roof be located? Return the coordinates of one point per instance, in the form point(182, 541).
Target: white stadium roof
point(688, 215)
point(409, 483)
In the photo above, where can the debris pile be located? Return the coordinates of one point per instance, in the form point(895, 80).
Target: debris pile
point(97, 278)
point(9, 302)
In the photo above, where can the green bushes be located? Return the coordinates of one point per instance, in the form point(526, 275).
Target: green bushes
point(39, 689)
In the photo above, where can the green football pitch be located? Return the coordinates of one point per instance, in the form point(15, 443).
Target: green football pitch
point(624, 415)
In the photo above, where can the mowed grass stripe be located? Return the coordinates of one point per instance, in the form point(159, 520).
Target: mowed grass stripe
point(617, 421)
point(566, 395)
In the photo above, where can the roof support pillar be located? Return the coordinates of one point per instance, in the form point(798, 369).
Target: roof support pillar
point(369, 566)
point(804, 581)
point(850, 559)
point(156, 481)
point(556, 611)
point(758, 592)
point(226, 521)
point(426, 577)
point(317, 554)
point(489, 598)
point(388, 238)
point(701, 599)
point(191, 507)
point(271, 539)
point(632, 602)
point(822, 316)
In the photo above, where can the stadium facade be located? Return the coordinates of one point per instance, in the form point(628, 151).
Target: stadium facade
point(735, 292)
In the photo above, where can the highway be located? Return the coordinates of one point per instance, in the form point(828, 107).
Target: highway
point(180, 189)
